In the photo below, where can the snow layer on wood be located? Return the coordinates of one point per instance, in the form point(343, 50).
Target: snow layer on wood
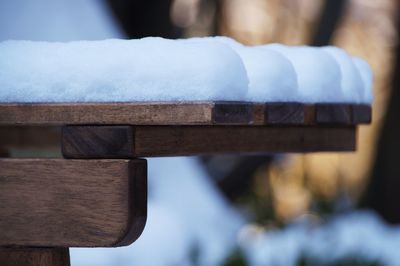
point(352, 84)
point(149, 69)
point(318, 74)
point(272, 77)
point(198, 69)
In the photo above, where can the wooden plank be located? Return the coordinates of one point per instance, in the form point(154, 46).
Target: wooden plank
point(153, 141)
point(258, 110)
point(68, 203)
point(285, 114)
point(362, 114)
point(178, 113)
point(333, 114)
point(30, 137)
point(98, 141)
point(34, 257)
point(106, 113)
point(232, 113)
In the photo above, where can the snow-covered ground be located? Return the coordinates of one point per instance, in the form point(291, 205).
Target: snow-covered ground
point(359, 234)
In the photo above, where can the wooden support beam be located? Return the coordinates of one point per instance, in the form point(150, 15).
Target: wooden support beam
point(71, 203)
point(153, 141)
point(34, 257)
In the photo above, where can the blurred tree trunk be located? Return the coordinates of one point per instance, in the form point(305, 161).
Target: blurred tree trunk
point(383, 193)
point(330, 17)
point(143, 18)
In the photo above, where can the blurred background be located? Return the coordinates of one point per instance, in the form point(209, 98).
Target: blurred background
point(313, 209)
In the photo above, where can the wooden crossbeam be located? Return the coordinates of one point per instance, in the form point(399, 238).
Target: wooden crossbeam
point(152, 141)
point(71, 203)
point(183, 113)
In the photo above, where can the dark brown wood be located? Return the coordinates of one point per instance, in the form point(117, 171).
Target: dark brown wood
point(232, 113)
point(285, 114)
point(34, 257)
point(71, 203)
point(258, 110)
point(362, 114)
point(152, 141)
point(29, 137)
point(333, 114)
point(141, 113)
point(177, 113)
point(98, 141)
point(193, 140)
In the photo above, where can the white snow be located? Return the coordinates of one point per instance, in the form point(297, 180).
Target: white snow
point(318, 74)
point(360, 234)
point(272, 77)
point(149, 69)
point(56, 20)
point(198, 69)
point(351, 82)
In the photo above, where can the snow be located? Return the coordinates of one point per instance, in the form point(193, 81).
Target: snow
point(360, 234)
point(351, 82)
point(272, 77)
point(56, 20)
point(148, 69)
point(197, 69)
point(318, 74)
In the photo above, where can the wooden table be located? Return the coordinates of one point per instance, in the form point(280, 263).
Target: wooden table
point(96, 196)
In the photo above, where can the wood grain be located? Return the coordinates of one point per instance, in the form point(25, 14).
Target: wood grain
point(285, 114)
point(29, 137)
point(153, 141)
point(232, 113)
point(333, 114)
point(179, 113)
point(34, 257)
point(106, 113)
point(71, 203)
point(98, 141)
point(362, 114)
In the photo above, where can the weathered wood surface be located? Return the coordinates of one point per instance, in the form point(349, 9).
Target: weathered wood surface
point(333, 114)
point(362, 114)
point(29, 137)
point(285, 114)
point(98, 141)
point(68, 203)
point(183, 113)
point(152, 141)
point(34, 257)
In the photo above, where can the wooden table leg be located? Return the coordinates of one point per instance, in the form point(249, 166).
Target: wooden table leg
point(34, 257)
